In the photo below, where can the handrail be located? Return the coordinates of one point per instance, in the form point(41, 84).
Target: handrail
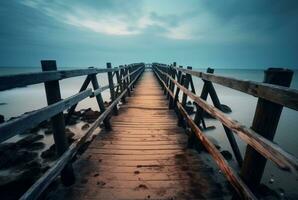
point(232, 176)
point(30, 120)
point(287, 97)
point(24, 79)
point(268, 149)
point(43, 182)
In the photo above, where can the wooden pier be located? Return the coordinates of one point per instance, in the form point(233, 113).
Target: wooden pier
point(149, 145)
point(144, 156)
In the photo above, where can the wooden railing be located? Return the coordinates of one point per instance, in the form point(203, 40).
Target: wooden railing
point(126, 78)
point(273, 95)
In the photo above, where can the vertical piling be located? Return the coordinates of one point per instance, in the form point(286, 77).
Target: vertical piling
point(112, 88)
point(265, 122)
point(53, 95)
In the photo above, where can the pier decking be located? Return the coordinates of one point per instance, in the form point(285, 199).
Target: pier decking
point(144, 156)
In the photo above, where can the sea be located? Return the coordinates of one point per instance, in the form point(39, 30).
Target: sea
point(17, 101)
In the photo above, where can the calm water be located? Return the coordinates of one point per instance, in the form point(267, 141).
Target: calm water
point(20, 100)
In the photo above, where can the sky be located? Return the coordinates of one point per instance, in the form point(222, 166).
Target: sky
point(198, 33)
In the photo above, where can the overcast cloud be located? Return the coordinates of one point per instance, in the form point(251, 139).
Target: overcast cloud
point(200, 33)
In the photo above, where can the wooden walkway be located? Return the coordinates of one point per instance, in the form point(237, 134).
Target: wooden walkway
point(143, 157)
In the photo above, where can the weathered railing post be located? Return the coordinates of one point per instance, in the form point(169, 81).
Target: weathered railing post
point(180, 80)
point(172, 85)
point(127, 80)
point(130, 70)
point(168, 80)
point(100, 101)
point(112, 87)
point(199, 113)
point(265, 122)
point(53, 94)
point(123, 83)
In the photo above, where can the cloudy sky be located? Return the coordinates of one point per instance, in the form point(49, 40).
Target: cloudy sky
point(200, 33)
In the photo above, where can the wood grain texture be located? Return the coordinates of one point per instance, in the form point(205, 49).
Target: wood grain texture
point(143, 157)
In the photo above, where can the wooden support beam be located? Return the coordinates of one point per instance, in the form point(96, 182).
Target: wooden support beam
point(265, 122)
point(123, 83)
point(179, 80)
point(73, 108)
point(204, 94)
point(180, 117)
point(127, 81)
point(100, 101)
point(229, 133)
point(172, 85)
point(53, 95)
point(111, 86)
point(186, 85)
point(118, 90)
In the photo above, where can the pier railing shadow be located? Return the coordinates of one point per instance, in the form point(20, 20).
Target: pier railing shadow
point(273, 94)
point(126, 77)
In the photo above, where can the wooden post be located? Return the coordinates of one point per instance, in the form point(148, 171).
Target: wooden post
point(130, 70)
point(123, 83)
point(112, 88)
point(199, 113)
point(172, 85)
point(100, 101)
point(127, 81)
point(169, 82)
point(53, 94)
point(229, 133)
point(73, 108)
point(180, 80)
point(265, 122)
point(180, 116)
point(186, 85)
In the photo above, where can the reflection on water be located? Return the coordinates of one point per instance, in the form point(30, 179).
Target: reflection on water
point(21, 100)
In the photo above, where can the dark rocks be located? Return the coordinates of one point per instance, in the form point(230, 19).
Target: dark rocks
point(35, 146)
point(190, 108)
point(2, 120)
point(90, 116)
point(28, 140)
point(69, 135)
point(85, 126)
point(14, 154)
point(227, 155)
point(12, 157)
point(225, 108)
point(48, 132)
point(50, 153)
point(106, 104)
point(12, 186)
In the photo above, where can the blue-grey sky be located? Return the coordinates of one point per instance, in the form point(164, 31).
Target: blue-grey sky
point(199, 33)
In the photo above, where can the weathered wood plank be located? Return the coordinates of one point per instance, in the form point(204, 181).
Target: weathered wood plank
point(287, 97)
